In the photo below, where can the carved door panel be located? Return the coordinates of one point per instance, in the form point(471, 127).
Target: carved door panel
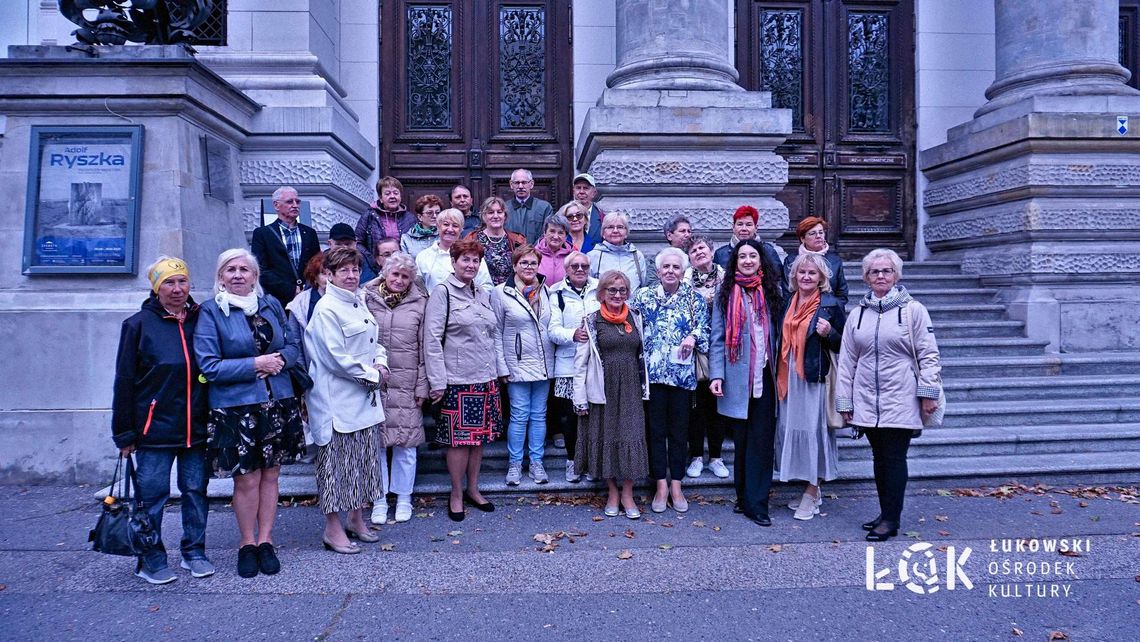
point(471, 90)
point(845, 69)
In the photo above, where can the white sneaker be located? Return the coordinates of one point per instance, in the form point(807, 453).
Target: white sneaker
point(572, 475)
point(695, 467)
point(403, 509)
point(807, 509)
point(718, 468)
point(380, 513)
point(514, 473)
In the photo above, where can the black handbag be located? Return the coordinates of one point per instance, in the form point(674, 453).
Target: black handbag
point(299, 375)
point(124, 527)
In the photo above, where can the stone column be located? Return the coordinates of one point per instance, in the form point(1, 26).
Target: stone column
point(1040, 192)
point(673, 133)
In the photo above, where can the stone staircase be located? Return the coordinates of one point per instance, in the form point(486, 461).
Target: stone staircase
point(1013, 408)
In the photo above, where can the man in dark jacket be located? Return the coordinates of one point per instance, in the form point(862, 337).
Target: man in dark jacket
point(283, 247)
point(525, 212)
point(585, 191)
point(158, 412)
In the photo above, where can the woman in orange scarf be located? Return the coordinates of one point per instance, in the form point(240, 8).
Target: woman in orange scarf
point(812, 327)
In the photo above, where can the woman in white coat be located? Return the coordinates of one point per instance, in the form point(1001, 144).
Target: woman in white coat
point(349, 368)
point(525, 360)
point(570, 301)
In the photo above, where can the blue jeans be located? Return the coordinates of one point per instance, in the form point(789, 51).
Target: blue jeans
point(152, 469)
point(528, 405)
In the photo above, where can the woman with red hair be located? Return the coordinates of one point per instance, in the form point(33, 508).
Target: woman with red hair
point(812, 232)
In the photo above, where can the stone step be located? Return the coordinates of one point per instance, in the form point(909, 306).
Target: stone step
point(963, 329)
point(1077, 364)
point(945, 312)
point(990, 347)
point(1027, 388)
point(964, 443)
point(1079, 412)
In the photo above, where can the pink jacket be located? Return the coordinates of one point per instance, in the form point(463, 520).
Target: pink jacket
point(551, 265)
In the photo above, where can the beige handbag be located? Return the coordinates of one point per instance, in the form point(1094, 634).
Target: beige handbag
point(834, 418)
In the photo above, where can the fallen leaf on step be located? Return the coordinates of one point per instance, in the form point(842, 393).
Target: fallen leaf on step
point(630, 534)
point(599, 518)
point(387, 548)
point(1016, 631)
point(945, 493)
point(698, 524)
point(717, 528)
point(1070, 554)
point(776, 548)
point(625, 554)
point(912, 534)
point(665, 547)
point(153, 608)
point(944, 533)
point(1057, 635)
point(942, 518)
point(454, 533)
point(1083, 504)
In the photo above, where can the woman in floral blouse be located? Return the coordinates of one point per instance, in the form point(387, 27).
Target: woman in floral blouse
point(676, 326)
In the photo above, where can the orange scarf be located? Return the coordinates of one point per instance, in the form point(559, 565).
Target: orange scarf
point(619, 318)
point(795, 331)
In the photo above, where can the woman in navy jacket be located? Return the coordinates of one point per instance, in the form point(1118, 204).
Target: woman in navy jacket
point(158, 412)
point(255, 419)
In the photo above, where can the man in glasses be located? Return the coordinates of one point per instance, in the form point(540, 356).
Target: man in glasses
point(526, 212)
point(283, 247)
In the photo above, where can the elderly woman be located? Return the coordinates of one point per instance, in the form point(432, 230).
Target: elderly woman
point(613, 253)
point(459, 353)
point(812, 232)
point(498, 243)
point(676, 320)
point(424, 232)
point(244, 350)
point(349, 368)
point(435, 263)
point(742, 365)
point(570, 302)
point(553, 248)
point(525, 359)
point(398, 307)
point(578, 219)
point(387, 217)
point(705, 277)
point(890, 380)
point(610, 383)
point(811, 330)
point(158, 412)
point(298, 312)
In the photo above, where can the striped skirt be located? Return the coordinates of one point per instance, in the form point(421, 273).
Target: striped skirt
point(348, 471)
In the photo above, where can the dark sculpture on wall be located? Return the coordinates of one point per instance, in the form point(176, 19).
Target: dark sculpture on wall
point(151, 22)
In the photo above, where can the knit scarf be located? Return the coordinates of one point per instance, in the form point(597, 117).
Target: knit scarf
point(621, 318)
point(532, 292)
point(420, 232)
point(247, 304)
point(804, 250)
point(705, 279)
point(390, 298)
point(795, 330)
point(736, 317)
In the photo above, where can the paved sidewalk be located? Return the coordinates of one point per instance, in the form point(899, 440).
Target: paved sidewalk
point(704, 575)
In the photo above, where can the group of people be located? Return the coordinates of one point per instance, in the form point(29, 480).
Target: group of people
point(531, 318)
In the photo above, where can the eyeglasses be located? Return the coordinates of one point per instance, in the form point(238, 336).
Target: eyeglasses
point(615, 227)
point(617, 290)
point(517, 183)
point(882, 272)
point(578, 267)
point(348, 271)
point(528, 263)
point(575, 217)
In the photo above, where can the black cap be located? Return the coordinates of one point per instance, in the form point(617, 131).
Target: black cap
point(342, 232)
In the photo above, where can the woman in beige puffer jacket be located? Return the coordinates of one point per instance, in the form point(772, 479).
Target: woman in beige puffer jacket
point(889, 378)
point(399, 319)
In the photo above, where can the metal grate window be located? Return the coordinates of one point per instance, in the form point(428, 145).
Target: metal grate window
point(212, 32)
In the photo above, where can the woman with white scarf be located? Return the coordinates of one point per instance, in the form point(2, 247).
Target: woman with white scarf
point(244, 353)
point(812, 232)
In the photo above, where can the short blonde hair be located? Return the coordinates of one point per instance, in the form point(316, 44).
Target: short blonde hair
point(820, 265)
point(450, 214)
point(882, 253)
point(238, 253)
point(616, 216)
point(609, 278)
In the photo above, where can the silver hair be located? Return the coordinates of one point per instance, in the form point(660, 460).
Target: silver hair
point(238, 253)
point(280, 191)
point(616, 215)
point(882, 253)
point(529, 176)
point(450, 214)
point(558, 220)
point(573, 255)
point(673, 223)
point(819, 263)
point(671, 251)
point(400, 260)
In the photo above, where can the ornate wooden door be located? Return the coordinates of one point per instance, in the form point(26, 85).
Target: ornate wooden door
point(472, 90)
point(846, 70)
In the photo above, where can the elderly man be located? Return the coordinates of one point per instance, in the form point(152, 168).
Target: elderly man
point(744, 221)
point(283, 247)
point(525, 212)
point(462, 201)
point(585, 191)
point(678, 230)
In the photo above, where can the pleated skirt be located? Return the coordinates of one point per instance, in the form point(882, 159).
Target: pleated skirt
point(348, 471)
